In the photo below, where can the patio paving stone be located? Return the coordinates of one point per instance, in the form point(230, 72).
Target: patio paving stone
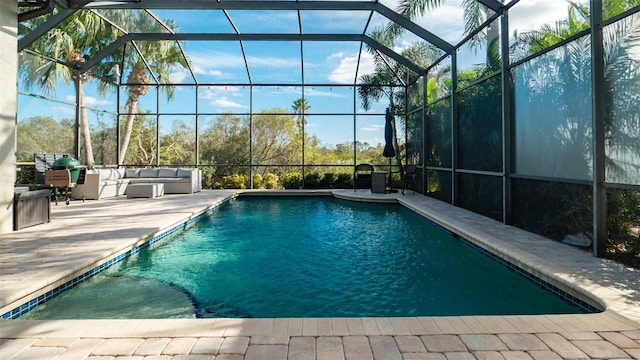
point(600, 349)
point(483, 342)
point(443, 343)
point(266, 352)
point(357, 347)
point(384, 347)
point(410, 344)
point(329, 348)
point(562, 346)
point(524, 342)
point(302, 348)
point(178, 346)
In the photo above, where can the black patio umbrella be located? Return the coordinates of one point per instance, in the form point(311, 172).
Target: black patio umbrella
point(389, 148)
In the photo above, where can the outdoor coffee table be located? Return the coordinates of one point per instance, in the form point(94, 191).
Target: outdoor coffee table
point(146, 190)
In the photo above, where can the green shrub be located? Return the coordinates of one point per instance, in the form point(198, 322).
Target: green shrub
point(26, 174)
point(257, 181)
point(312, 180)
point(343, 181)
point(209, 180)
point(270, 181)
point(327, 181)
point(292, 181)
point(235, 181)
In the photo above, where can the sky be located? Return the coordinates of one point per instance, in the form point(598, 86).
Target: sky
point(330, 63)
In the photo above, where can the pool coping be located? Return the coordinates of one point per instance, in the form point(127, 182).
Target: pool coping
point(454, 219)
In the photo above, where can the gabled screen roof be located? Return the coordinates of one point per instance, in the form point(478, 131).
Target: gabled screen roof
point(257, 42)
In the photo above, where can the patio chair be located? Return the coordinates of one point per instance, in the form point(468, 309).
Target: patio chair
point(362, 176)
point(408, 177)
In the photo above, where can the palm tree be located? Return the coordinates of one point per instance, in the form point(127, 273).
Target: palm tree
point(474, 15)
point(393, 76)
point(578, 20)
point(621, 72)
point(147, 57)
point(300, 107)
point(65, 48)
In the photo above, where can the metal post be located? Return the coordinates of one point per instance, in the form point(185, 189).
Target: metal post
point(355, 145)
point(197, 129)
point(76, 142)
point(507, 119)
point(406, 128)
point(424, 157)
point(251, 132)
point(118, 126)
point(157, 125)
point(598, 93)
point(454, 126)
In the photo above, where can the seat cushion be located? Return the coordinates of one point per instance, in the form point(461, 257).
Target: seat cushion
point(167, 173)
point(132, 173)
point(148, 173)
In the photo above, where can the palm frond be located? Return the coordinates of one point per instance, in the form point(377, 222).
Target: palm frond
point(474, 17)
point(411, 9)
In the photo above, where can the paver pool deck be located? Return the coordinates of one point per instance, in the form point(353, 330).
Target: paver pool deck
point(82, 235)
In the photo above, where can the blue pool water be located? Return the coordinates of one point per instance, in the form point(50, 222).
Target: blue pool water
point(305, 257)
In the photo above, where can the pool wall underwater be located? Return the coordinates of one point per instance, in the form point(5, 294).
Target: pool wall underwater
point(563, 291)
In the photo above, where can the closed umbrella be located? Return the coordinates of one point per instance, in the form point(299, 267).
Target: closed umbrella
point(389, 148)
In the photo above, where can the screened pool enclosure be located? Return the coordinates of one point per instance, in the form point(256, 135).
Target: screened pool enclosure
point(524, 111)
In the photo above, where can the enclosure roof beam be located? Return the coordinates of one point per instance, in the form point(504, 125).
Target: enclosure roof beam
point(49, 24)
point(108, 50)
point(414, 28)
point(394, 55)
point(248, 37)
point(279, 5)
point(214, 37)
point(184, 55)
point(41, 29)
point(224, 5)
point(494, 5)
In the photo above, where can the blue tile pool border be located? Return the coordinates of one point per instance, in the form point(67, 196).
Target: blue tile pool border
point(18, 311)
point(34, 303)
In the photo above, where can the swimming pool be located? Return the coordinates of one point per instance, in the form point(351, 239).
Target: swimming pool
point(306, 257)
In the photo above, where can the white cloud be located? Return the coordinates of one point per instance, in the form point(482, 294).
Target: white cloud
point(216, 59)
point(373, 127)
point(67, 111)
point(89, 100)
point(213, 63)
point(272, 62)
point(177, 75)
point(345, 72)
point(218, 91)
point(529, 15)
point(224, 102)
point(447, 20)
point(209, 72)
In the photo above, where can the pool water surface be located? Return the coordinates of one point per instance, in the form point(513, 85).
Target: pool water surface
point(305, 257)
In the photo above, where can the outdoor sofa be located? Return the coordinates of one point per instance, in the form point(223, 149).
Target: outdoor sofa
point(103, 183)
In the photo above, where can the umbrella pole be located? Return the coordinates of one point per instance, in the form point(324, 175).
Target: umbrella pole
point(390, 187)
